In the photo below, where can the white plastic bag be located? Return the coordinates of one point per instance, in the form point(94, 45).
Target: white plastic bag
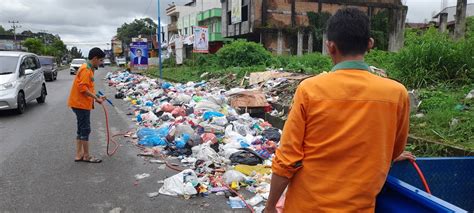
point(233, 176)
point(174, 185)
point(204, 152)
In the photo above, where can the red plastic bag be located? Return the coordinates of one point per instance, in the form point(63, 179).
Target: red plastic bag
point(209, 137)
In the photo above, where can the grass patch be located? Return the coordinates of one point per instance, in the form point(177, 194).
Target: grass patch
point(448, 117)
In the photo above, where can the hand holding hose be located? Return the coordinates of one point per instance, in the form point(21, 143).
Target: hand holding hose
point(100, 100)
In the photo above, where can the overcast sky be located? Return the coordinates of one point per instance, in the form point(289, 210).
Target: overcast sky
point(88, 23)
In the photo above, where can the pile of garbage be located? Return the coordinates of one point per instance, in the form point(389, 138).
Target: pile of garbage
point(224, 151)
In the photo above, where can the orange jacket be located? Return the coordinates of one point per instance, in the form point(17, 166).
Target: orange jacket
point(343, 131)
point(83, 81)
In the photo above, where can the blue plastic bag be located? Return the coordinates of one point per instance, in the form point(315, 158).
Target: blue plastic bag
point(147, 132)
point(152, 141)
point(181, 141)
point(210, 115)
point(149, 103)
point(166, 85)
point(139, 118)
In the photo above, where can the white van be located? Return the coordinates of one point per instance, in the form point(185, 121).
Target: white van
point(21, 80)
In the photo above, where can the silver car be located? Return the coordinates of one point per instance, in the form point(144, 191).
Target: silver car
point(21, 80)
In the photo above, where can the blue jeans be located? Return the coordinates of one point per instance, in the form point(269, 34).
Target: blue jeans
point(83, 123)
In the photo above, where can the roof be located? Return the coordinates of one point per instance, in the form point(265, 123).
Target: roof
point(451, 11)
point(13, 53)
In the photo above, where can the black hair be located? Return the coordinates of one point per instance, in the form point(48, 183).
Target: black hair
point(139, 50)
point(96, 52)
point(349, 29)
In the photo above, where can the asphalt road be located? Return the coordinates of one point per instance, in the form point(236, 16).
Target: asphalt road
point(38, 172)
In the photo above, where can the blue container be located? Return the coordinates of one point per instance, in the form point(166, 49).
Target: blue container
point(451, 181)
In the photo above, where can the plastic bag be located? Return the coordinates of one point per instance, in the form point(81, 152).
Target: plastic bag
point(152, 141)
point(166, 85)
point(178, 111)
point(207, 105)
point(247, 157)
point(204, 152)
point(167, 107)
point(242, 128)
point(180, 184)
point(220, 121)
point(182, 99)
point(272, 134)
point(145, 132)
point(184, 129)
point(209, 115)
point(209, 137)
point(181, 141)
point(233, 176)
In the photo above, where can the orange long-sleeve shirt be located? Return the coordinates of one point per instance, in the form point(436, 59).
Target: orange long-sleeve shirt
point(343, 131)
point(83, 81)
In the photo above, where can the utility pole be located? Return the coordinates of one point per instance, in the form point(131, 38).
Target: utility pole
point(159, 40)
point(460, 25)
point(14, 27)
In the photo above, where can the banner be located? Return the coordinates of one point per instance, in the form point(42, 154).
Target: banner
point(236, 14)
point(117, 47)
point(139, 53)
point(201, 40)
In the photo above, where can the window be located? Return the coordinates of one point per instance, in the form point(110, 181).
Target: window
point(229, 17)
point(28, 63)
point(37, 63)
point(245, 13)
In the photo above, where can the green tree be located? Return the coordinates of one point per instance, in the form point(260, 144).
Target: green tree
point(379, 29)
point(144, 26)
point(34, 45)
point(75, 53)
point(5, 32)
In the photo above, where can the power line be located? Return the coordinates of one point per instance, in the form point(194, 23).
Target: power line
point(148, 8)
point(15, 26)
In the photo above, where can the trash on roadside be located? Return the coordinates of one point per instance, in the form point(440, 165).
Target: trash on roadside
point(236, 203)
point(142, 176)
point(199, 125)
point(153, 194)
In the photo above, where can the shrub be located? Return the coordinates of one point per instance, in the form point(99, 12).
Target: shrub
point(243, 54)
point(433, 57)
point(310, 63)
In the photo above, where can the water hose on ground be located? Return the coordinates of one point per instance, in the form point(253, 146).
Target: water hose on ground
point(110, 139)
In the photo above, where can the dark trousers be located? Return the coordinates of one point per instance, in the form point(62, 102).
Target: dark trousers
point(83, 123)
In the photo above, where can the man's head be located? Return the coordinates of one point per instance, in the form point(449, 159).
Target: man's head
point(139, 53)
point(96, 57)
point(348, 35)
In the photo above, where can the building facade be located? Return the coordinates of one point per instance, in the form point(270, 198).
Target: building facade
point(283, 26)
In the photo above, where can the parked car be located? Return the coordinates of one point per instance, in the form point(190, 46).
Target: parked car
point(107, 62)
point(49, 66)
point(21, 80)
point(75, 64)
point(121, 62)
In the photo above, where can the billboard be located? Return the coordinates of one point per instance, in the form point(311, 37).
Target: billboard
point(117, 47)
point(139, 53)
point(201, 40)
point(236, 14)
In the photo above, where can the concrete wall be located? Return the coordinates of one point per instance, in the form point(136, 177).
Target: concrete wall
point(266, 17)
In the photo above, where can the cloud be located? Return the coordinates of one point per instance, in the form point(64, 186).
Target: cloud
point(81, 23)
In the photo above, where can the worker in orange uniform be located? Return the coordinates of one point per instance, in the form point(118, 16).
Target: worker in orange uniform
point(81, 100)
point(344, 130)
